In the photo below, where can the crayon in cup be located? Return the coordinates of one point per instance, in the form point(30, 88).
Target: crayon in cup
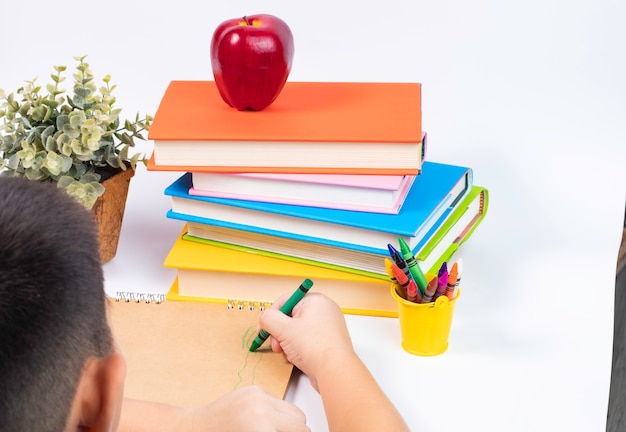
point(459, 272)
point(425, 327)
point(414, 268)
point(452, 278)
point(402, 265)
point(392, 277)
point(430, 290)
point(412, 292)
point(403, 280)
point(442, 281)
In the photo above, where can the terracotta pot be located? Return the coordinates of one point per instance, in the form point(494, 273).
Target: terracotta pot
point(109, 212)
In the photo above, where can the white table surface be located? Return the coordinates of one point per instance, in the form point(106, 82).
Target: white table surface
point(529, 94)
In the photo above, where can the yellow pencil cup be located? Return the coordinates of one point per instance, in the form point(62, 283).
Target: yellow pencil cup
point(425, 328)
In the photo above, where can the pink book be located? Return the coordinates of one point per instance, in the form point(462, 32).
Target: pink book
point(366, 193)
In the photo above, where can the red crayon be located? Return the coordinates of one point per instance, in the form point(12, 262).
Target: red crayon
point(392, 277)
point(452, 278)
point(402, 265)
point(430, 291)
point(412, 293)
point(402, 279)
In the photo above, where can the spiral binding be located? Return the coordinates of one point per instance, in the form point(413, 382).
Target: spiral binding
point(139, 297)
point(247, 304)
point(134, 297)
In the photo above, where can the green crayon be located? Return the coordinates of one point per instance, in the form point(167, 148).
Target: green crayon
point(414, 268)
point(286, 309)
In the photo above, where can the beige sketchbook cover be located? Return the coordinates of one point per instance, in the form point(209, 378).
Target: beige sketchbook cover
point(188, 353)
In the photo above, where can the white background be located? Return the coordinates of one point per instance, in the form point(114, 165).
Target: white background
point(530, 94)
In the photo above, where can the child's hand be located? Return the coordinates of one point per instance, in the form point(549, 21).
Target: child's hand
point(313, 338)
point(249, 409)
point(316, 340)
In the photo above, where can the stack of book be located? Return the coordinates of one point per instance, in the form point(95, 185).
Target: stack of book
point(314, 186)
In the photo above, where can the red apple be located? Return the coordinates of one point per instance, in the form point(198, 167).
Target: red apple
point(251, 59)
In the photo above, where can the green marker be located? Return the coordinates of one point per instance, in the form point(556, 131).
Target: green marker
point(286, 309)
point(414, 268)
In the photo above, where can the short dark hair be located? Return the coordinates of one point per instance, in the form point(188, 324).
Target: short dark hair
point(52, 303)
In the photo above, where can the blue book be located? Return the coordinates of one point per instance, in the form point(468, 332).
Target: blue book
point(441, 244)
point(433, 193)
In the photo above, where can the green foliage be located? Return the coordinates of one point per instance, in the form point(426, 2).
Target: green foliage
point(48, 135)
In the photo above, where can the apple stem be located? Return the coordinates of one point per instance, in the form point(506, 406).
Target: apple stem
point(246, 20)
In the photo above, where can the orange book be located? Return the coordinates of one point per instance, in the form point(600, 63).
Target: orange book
point(312, 127)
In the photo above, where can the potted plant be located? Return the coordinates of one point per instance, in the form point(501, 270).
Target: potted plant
point(76, 140)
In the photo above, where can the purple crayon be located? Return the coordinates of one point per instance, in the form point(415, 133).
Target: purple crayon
point(442, 281)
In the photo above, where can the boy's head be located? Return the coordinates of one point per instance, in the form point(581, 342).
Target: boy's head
point(58, 366)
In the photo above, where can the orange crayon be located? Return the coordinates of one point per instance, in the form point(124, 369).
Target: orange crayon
point(452, 278)
point(459, 272)
point(430, 291)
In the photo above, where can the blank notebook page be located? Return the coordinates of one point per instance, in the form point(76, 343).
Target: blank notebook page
point(188, 354)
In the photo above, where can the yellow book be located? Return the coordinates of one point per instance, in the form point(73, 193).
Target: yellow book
point(246, 279)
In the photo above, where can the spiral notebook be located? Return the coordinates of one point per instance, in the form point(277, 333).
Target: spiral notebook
point(189, 354)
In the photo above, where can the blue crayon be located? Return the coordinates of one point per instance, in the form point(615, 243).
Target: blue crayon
point(392, 251)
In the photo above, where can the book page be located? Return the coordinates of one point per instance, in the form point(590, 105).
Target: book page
point(188, 354)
